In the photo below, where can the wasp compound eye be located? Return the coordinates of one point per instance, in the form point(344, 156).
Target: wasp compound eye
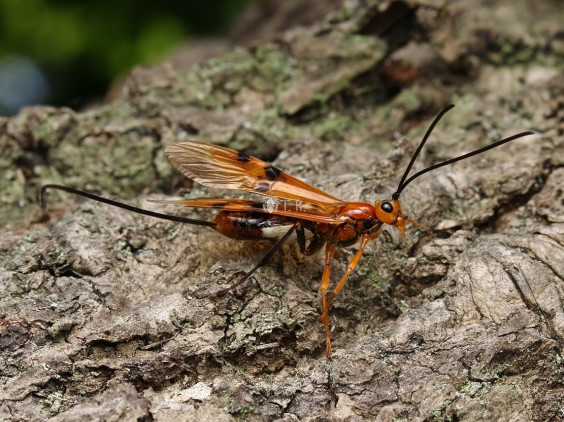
point(387, 207)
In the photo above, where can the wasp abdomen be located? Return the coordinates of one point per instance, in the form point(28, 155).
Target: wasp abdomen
point(251, 226)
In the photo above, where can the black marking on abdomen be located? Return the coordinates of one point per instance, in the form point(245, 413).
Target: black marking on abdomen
point(254, 225)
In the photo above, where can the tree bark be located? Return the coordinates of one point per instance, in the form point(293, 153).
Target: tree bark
point(108, 315)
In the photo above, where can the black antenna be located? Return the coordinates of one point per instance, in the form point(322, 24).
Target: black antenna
point(403, 183)
point(119, 205)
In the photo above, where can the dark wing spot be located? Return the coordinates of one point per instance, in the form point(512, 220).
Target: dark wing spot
point(272, 172)
point(218, 205)
point(244, 158)
point(262, 186)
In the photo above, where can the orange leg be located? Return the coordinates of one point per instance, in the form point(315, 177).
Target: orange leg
point(326, 303)
point(350, 268)
point(324, 318)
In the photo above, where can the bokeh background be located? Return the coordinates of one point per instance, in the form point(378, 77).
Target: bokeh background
point(68, 52)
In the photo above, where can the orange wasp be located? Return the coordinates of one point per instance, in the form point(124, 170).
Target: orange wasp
point(330, 221)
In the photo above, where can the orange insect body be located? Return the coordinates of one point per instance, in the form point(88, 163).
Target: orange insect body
point(292, 206)
point(332, 222)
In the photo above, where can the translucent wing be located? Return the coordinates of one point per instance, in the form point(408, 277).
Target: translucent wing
point(219, 167)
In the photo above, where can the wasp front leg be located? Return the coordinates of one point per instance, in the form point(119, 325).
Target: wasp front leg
point(350, 268)
point(326, 303)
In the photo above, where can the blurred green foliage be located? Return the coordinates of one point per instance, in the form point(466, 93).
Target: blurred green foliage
point(82, 45)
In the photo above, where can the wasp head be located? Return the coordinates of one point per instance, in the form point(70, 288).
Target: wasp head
point(389, 212)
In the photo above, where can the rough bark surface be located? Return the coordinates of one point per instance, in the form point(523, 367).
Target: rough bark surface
point(109, 316)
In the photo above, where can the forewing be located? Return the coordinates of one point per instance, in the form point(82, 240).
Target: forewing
point(219, 167)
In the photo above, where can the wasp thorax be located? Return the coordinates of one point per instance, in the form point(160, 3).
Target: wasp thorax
point(359, 211)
